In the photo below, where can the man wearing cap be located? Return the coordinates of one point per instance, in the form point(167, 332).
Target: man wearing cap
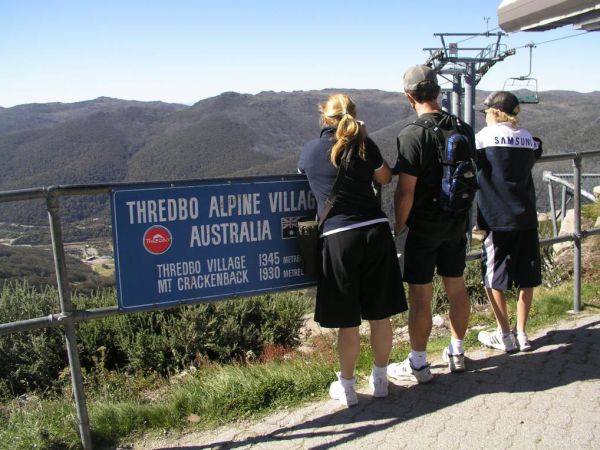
point(435, 239)
point(506, 205)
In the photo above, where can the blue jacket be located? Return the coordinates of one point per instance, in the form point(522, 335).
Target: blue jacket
point(506, 198)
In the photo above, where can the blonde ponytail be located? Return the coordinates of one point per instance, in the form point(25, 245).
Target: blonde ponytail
point(339, 111)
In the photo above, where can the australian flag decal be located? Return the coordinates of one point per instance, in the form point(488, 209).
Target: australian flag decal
point(289, 227)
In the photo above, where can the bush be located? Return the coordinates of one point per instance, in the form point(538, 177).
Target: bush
point(29, 361)
point(162, 342)
point(473, 282)
point(168, 341)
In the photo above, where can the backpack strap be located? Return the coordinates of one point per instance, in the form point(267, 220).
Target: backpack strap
point(431, 125)
point(458, 126)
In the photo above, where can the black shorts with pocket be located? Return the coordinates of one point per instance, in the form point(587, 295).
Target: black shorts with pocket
point(424, 254)
point(511, 258)
point(360, 278)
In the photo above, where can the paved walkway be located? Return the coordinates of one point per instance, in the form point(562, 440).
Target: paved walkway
point(546, 399)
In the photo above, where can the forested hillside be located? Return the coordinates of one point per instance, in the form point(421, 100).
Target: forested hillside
point(111, 140)
point(35, 266)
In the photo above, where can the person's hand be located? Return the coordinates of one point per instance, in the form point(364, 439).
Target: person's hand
point(400, 241)
point(539, 150)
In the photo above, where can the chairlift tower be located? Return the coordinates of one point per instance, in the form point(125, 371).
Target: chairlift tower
point(464, 67)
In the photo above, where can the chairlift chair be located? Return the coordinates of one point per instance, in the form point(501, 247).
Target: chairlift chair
point(525, 87)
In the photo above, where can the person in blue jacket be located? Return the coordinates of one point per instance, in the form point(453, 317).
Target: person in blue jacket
point(507, 212)
point(360, 276)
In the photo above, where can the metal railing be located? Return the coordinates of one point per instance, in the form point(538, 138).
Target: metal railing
point(68, 317)
point(567, 193)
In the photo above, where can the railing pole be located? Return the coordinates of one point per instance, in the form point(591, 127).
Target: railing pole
point(577, 233)
point(563, 203)
point(64, 293)
point(552, 208)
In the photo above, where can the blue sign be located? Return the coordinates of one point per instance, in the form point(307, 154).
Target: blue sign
point(202, 241)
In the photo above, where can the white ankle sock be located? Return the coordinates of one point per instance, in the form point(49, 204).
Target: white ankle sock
point(456, 347)
point(346, 381)
point(379, 372)
point(418, 359)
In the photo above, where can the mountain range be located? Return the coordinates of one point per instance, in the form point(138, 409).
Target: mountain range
point(112, 140)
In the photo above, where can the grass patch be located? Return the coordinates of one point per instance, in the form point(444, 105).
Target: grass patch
point(215, 394)
point(591, 211)
point(44, 424)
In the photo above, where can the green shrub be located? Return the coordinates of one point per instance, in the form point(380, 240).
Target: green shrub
point(168, 341)
point(162, 342)
point(29, 361)
point(591, 211)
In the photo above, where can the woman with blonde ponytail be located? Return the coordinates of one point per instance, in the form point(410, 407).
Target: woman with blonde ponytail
point(360, 277)
point(339, 111)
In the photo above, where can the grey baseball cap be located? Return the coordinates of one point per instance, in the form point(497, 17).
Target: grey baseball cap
point(416, 74)
point(503, 101)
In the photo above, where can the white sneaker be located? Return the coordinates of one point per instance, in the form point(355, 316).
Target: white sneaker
point(379, 385)
point(523, 342)
point(456, 363)
point(343, 391)
point(404, 371)
point(495, 339)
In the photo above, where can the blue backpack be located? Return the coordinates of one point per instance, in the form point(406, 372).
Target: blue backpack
point(456, 153)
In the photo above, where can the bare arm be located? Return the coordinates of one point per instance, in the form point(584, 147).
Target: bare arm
point(403, 199)
point(383, 175)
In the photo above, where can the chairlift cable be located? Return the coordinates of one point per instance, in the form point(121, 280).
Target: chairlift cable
point(535, 44)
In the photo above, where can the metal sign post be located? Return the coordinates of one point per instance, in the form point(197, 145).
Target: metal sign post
point(577, 233)
point(64, 293)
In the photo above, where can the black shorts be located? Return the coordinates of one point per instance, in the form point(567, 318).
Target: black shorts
point(423, 254)
point(511, 258)
point(360, 279)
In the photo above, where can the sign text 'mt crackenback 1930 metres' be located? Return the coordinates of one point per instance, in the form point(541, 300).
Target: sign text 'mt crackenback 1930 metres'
point(209, 240)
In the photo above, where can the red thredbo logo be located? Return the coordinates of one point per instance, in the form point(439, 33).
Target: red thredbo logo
point(157, 240)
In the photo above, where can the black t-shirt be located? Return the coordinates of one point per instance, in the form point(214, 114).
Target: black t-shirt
point(418, 155)
point(356, 201)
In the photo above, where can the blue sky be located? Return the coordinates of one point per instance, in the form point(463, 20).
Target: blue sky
point(184, 51)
